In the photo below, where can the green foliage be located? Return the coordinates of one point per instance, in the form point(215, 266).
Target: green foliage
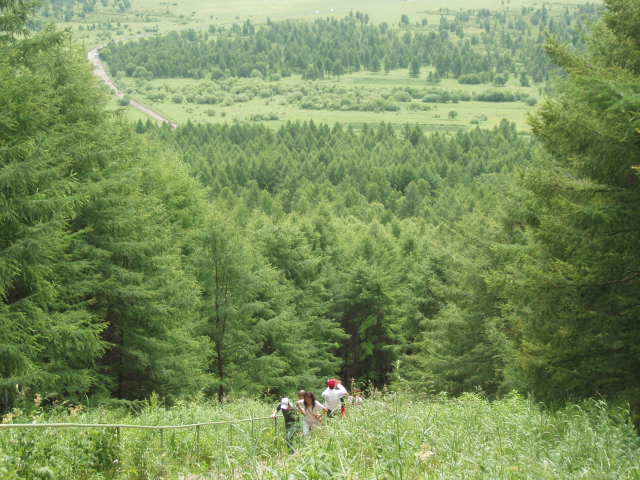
point(67, 10)
point(49, 338)
point(236, 259)
point(330, 47)
point(260, 343)
point(96, 296)
point(389, 436)
point(339, 215)
point(538, 282)
point(572, 293)
point(414, 68)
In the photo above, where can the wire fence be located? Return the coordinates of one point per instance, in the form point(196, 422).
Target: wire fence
point(160, 428)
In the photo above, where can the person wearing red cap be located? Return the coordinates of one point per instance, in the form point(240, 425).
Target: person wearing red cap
point(334, 396)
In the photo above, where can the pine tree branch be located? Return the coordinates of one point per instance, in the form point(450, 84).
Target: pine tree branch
point(618, 232)
point(628, 278)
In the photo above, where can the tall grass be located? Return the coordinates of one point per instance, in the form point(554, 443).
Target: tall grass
point(390, 437)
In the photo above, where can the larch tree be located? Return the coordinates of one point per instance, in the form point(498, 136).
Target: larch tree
point(573, 294)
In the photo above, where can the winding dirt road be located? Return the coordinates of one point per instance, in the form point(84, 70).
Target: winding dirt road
point(100, 71)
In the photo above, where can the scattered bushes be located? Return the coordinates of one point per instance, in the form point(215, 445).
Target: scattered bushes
point(500, 96)
point(267, 117)
point(319, 95)
point(471, 79)
point(157, 97)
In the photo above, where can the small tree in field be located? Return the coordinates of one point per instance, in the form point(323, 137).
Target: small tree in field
point(414, 68)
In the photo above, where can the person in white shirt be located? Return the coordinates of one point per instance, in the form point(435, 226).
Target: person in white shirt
point(312, 411)
point(334, 396)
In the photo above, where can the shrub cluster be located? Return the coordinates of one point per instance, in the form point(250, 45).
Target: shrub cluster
point(319, 95)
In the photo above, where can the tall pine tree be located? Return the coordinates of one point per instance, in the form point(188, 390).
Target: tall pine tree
point(573, 294)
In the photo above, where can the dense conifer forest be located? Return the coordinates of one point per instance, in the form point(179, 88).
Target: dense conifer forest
point(237, 260)
point(474, 46)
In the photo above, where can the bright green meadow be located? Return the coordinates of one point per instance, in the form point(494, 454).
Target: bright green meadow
point(390, 437)
point(148, 18)
point(277, 109)
point(169, 15)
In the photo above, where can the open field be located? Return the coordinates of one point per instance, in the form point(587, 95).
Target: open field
point(276, 109)
point(259, 10)
point(437, 118)
point(147, 18)
point(128, 113)
point(158, 17)
point(388, 437)
point(202, 12)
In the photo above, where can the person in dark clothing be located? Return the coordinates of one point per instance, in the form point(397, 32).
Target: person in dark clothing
point(291, 420)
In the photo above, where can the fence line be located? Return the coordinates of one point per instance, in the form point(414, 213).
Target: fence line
point(139, 427)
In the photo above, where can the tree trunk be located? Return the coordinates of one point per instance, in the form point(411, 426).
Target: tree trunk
point(220, 365)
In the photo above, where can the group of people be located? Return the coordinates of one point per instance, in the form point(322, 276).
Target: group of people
point(311, 410)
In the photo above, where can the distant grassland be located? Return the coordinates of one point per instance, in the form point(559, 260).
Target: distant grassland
point(259, 10)
point(281, 110)
point(152, 17)
point(170, 15)
point(389, 437)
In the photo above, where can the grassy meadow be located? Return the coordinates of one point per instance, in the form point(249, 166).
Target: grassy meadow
point(172, 15)
point(148, 17)
point(152, 17)
point(275, 103)
point(388, 437)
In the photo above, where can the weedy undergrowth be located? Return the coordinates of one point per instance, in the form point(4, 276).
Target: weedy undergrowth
point(391, 436)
